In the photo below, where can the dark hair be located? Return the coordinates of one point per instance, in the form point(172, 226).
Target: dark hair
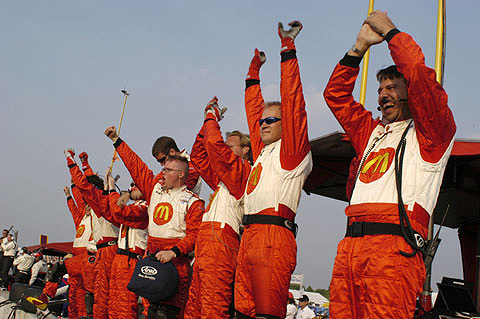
point(391, 72)
point(95, 181)
point(163, 145)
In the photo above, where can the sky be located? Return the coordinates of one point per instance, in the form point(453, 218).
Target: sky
point(64, 64)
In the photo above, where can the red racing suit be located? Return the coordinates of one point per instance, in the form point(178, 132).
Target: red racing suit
point(83, 238)
point(370, 277)
point(132, 242)
point(174, 217)
point(218, 241)
point(267, 255)
point(105, 233)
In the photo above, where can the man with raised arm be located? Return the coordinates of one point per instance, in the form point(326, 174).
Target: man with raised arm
point(78, 276)
point(281, 151)
point(224, 166)
point(174, 215)
point(132, 243)
point(105, 229)
point(379, 271)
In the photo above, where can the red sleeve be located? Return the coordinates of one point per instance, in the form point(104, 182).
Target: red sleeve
point(193, 220)
point(75, 211)
point(134, 215)
point(427, 99)
point(77, 196)
point(92, 196)
point(232, 170)
point(141, 174)
point(192, 179)
point(295, 144)
point(200, 161)
point(254, 108)
point(352, 116)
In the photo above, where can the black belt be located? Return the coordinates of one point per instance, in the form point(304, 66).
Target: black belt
point(24, 272)
point(271, 220)
point(360, 229)
point(128, 253)
point(108, 243)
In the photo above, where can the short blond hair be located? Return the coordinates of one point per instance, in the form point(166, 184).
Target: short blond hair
point(244, 138)
point(272, 103)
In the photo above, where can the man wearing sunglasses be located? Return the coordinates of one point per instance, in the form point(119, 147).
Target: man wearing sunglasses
point(281, 151)
point(225, 166)
point(379, 271)
point(174, 216)
point(166, 146)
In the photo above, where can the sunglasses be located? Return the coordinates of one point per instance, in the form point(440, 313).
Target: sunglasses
point(162, 159)
point(269, 120)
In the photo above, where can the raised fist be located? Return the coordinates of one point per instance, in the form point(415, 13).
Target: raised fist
point(213, 108)
point(83, 156)
point(291, 33)
point(69, 153)
point(111, 133)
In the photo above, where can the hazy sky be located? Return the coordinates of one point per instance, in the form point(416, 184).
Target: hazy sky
point(63, 64)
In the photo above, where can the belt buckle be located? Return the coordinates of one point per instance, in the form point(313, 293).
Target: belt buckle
point(288, 224)
point(357, 229)
point(112, 243)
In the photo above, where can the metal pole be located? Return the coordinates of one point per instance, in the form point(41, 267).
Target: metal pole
point(426, 297)
point(440, 46)
point(126, 94)
point(366, 58)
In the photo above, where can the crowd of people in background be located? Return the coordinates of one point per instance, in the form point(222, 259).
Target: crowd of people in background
point(21, 265)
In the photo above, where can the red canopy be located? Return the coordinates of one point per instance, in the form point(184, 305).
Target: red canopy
point(53, 249)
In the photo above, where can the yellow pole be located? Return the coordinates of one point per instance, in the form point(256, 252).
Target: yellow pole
point(425, 298)
point(126, 94)
point(440, 47)
point(366, 58)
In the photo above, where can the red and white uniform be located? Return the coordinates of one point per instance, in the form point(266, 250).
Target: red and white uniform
point(218, 240)
point(174, 216)
point(133, 227)
point(105, 233)
point(83, 238)
point(267, 255)
point(370, 277)
point(79, 276)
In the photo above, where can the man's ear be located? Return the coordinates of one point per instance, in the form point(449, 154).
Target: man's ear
point(171, 152)
point(245, 150)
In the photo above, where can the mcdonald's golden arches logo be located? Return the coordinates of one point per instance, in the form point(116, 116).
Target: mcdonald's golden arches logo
point(162, 213)
point(80, 231)
point(377, 164)
point(254, 178)
point(212, 197)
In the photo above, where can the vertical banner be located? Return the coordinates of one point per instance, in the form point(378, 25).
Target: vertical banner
point(366, 58)
point(43, 239)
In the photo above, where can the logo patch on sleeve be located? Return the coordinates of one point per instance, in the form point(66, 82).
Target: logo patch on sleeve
point(377, 164)
point(162, 213)
point(254, 178)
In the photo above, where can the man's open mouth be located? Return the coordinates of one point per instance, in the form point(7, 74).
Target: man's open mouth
point(387, 106)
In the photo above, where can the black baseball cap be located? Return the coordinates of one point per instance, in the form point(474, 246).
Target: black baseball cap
point(303, 298)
